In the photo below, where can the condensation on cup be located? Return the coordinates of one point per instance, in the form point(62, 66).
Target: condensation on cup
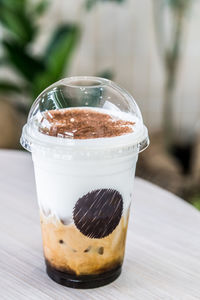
point(84, 134)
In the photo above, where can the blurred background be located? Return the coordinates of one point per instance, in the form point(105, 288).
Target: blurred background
point(149, 47)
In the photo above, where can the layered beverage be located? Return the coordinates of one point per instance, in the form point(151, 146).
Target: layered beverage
point(84, 161)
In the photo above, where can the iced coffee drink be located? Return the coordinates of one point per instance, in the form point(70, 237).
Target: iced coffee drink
point(85, 135)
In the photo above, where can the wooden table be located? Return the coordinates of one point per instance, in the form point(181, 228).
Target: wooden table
point(162, 259)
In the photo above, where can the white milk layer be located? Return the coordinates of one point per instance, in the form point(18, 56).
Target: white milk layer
point(61, 183)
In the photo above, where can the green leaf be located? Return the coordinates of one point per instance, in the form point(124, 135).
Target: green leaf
point(60, 48)
point(41, 7)
point(18, 22)
point(13, 4)
point(57, 56)
point(25, 64)
point(8, 87)
point(15, 25)
point(42, 81)
point(90, 3)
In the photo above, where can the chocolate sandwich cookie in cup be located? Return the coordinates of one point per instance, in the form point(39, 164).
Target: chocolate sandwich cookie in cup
point(84, 134)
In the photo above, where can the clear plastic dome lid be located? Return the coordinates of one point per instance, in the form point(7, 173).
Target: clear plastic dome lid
point(86, 112)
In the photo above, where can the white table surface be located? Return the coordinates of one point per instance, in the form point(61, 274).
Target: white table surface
point(162, 260)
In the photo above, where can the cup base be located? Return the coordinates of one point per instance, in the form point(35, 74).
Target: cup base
point(83, 281)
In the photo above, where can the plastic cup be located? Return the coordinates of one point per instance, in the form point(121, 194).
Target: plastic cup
point(84, 134)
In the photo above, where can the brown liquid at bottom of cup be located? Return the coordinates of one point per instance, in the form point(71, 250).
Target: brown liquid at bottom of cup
point(77, 261)
point(82, 281)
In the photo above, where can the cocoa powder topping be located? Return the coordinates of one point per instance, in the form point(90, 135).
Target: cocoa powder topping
point(83, 124)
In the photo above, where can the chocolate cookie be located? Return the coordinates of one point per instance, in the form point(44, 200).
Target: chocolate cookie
point(98, 213)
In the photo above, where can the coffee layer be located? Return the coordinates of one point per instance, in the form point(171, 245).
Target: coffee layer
point(67, 249)
point(83, 124)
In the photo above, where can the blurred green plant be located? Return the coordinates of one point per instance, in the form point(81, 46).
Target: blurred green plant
point(90, 3)
point(20, 22)
point(170, 49)
point(169, 40)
